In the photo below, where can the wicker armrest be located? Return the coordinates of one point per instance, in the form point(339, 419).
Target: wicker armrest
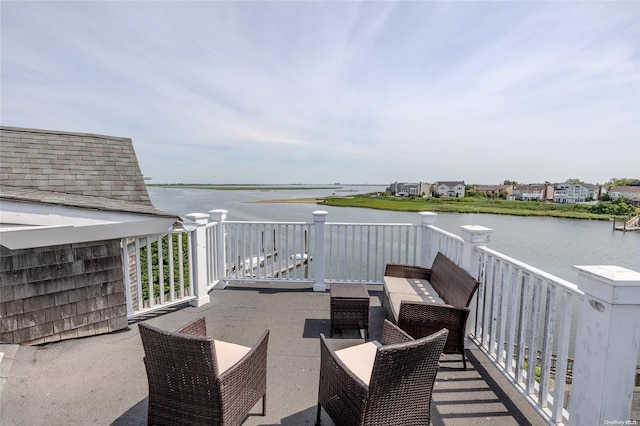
point(392, 334)
point(407, 271)
point(421, 319)
point(417, 313)
point(341, 392)
point(246, 381)
point(197, 327)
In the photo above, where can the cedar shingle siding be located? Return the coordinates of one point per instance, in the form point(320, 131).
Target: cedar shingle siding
point(55, 293)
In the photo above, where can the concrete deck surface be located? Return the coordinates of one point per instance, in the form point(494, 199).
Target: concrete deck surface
point(101, 380)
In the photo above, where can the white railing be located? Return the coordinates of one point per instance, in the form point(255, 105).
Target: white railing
point(267, 251)
point(525, 322)
point(213, 243)
point(157, 272)
point(287, 251)
point(449, 244)
point(359, 252)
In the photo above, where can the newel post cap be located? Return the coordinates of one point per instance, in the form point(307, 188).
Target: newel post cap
point(320, 215)
point(199, 218)
point(218, 214)
point(476, 233)
point(428, 218)
point(610, 283)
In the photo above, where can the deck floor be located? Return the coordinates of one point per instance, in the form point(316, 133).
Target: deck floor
point(101, 380)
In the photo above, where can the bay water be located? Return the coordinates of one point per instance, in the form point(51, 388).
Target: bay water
point(551, 244)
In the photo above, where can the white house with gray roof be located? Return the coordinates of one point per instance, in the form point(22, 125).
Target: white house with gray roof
point(450, 189)
point(570, 193)
point(420, 189)
point(631, 193)
point(532, 192)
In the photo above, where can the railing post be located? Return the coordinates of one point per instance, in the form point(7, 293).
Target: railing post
point(319, 219)
point(199, 259)
point(607, 343)
point(219, 252)
point(473, 236)
point(426, 219)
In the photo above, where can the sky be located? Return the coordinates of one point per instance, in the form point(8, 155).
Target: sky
point(278, 92)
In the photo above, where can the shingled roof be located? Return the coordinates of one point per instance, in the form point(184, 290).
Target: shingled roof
point(72, 169)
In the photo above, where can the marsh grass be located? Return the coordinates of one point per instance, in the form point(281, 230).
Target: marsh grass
point(467, 205)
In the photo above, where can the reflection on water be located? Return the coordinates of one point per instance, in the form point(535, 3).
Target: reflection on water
point(551, 244)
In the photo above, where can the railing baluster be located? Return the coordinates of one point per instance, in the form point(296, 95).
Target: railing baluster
point(512, 306)
point(181, 265)
point(562, 356)
point(150, 274)
point(493, 348)
point(525, 315)
point(488, 297)
point(139, 274)
point(190, 263)
point(172, 296)
point(545, 361)
point(502, 318)
point(534, 338)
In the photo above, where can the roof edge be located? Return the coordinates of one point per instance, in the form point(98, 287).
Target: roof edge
point(60, 132)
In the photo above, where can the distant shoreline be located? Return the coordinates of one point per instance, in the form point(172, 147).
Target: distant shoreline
point(290, 200)
point(232, 187)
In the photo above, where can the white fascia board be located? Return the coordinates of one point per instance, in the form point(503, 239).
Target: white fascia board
point(25, 225)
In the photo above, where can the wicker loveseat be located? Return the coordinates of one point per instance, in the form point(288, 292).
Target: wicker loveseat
point(421, 301)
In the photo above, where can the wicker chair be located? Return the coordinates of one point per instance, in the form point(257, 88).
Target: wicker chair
point(387, 383)
point(194, 379)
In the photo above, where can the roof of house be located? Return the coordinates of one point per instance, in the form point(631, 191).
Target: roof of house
point(531, 187)
point(584, 185)
point(625, 189)
point(492, 187)
point(451, 184)
point(72, 169)
point(63, 188)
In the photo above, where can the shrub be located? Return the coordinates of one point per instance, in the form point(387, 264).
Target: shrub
point(165, 265)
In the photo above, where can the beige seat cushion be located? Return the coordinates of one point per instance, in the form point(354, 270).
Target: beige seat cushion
point(411, 286)
point(396, 298)
point(228, 354)
point(359, 359)
point(409, 289)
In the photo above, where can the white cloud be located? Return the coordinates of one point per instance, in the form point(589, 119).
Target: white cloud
point(276, 92)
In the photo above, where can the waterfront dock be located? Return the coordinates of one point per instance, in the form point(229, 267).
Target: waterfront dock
point(626, 224)
point(269, 266)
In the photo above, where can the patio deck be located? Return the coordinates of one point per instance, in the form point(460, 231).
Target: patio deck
point(101, 380)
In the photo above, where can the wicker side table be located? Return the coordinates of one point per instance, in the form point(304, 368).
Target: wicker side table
point(349, 307)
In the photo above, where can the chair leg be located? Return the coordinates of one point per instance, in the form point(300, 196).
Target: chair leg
point(264, 405)
point(464, 361)
point(318, 415)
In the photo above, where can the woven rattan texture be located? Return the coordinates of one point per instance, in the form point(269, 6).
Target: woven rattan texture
point(400, 389)
point(454, 285)
point(184, 385)
point(349, 306)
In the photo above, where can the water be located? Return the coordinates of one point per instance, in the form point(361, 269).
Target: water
point(550, 244)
